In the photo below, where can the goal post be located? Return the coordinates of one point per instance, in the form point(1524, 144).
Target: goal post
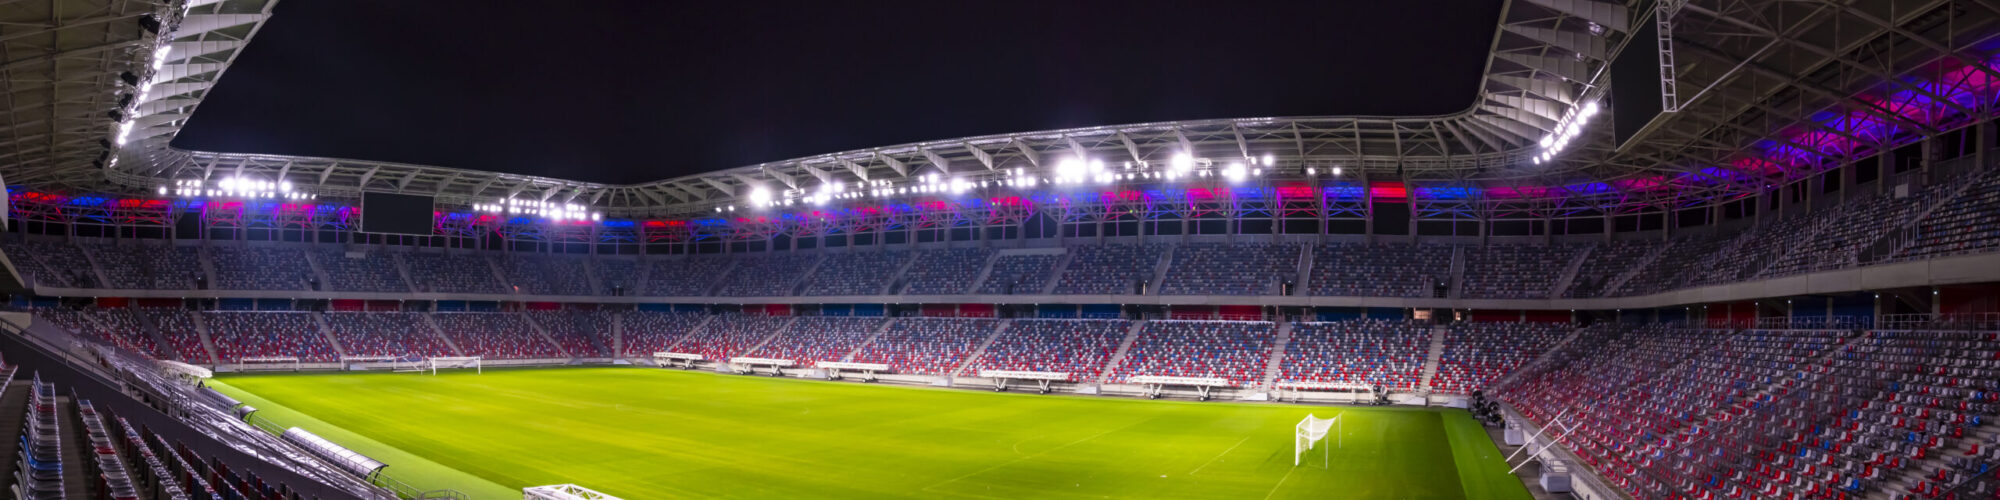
point(448, 362)
point(259, 363)
point(1312, 432)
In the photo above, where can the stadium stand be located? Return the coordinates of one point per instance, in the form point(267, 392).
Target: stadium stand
point(1350, 270)
point(1671, 269)
point(1108, 269)
point(1078, 347)
point(767, 276)
point(397, 334)
point(260, 268)
point(1847, 231)
point(1748, 253)
point(578, 333)
point(115, 326)
point(1235, 350)
point(1965, 224)
point(1604, 264)
point(239, 335)
point(929, 346)
point(452, 273)
point(617, 276)
point(371, 271)
point(150, 266)
point(1476, 354)
point(861, 272)
point(542, 274)
point(819, 338)
point(494, 336)
point(945, 272)
point(688, 277)
point(1766, 413)
point(1230, 269)
point(648, 332)
point(1020, 274)
point(1515, 271)
point(177, 326)
point(1388, 353)
point(730, 335)
point(51, 263)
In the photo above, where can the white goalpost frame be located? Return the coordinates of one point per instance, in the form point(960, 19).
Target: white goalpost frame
point(1311, 431)
point(473, 362)
point(291, 363)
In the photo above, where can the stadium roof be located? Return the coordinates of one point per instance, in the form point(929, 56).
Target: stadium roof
point(1769, 91)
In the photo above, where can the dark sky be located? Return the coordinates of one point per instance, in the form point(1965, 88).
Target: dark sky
point(637, 91)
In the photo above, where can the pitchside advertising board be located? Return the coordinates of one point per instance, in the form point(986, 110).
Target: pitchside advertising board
point(390, 213)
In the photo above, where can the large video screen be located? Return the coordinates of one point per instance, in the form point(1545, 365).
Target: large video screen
point(396, 213)
point(1635, 83)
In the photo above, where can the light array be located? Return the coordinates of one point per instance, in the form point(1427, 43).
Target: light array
point(552, 210)
point(1070, 170)
point(235, 187)
point(1567, 129)
point(159, 60)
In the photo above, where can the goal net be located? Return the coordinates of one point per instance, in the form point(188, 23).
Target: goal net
point(1312, 432)
point(259, 363)
point(449, 362)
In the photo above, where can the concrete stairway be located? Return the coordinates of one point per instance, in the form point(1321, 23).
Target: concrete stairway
point(1062, 265)
point(1633, 270)
point(1276, 366)
point(1438, 334)
point(439, 332)
point(166, 350)
point(1568, 276)
point(201, 329)
point(403, 269)
point(849, 357)
point(544, 334)
point(207, 260)
point(319, 321)
point(1118, 357)
point(698, 327)
point(894, 285)
point(782, 329)
point(1160, 270)
point(1457, 281)
point(318, 270)
point(973, 358)
point(985, 270)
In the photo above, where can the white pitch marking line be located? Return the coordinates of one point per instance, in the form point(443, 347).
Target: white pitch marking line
point(1281, 482)
point(1218, 456)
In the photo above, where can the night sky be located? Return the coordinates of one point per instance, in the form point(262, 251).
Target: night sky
point(625, 92)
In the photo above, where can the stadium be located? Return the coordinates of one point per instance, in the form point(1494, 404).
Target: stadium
point(1678, 249)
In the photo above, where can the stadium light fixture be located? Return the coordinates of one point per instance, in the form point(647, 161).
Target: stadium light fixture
point(1269, 160)
point(1234, 172)
point(1567, 130)
point(760, 196)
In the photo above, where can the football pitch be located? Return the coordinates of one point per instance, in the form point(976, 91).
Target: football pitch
point(650, 433)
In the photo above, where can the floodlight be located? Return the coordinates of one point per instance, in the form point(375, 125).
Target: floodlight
point(1182, 162)
point(1269, 160)
point(760, 196)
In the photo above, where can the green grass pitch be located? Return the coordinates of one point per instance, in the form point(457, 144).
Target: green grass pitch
point(650, 433)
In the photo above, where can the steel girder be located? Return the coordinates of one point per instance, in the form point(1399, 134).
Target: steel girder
point(1772, 91)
